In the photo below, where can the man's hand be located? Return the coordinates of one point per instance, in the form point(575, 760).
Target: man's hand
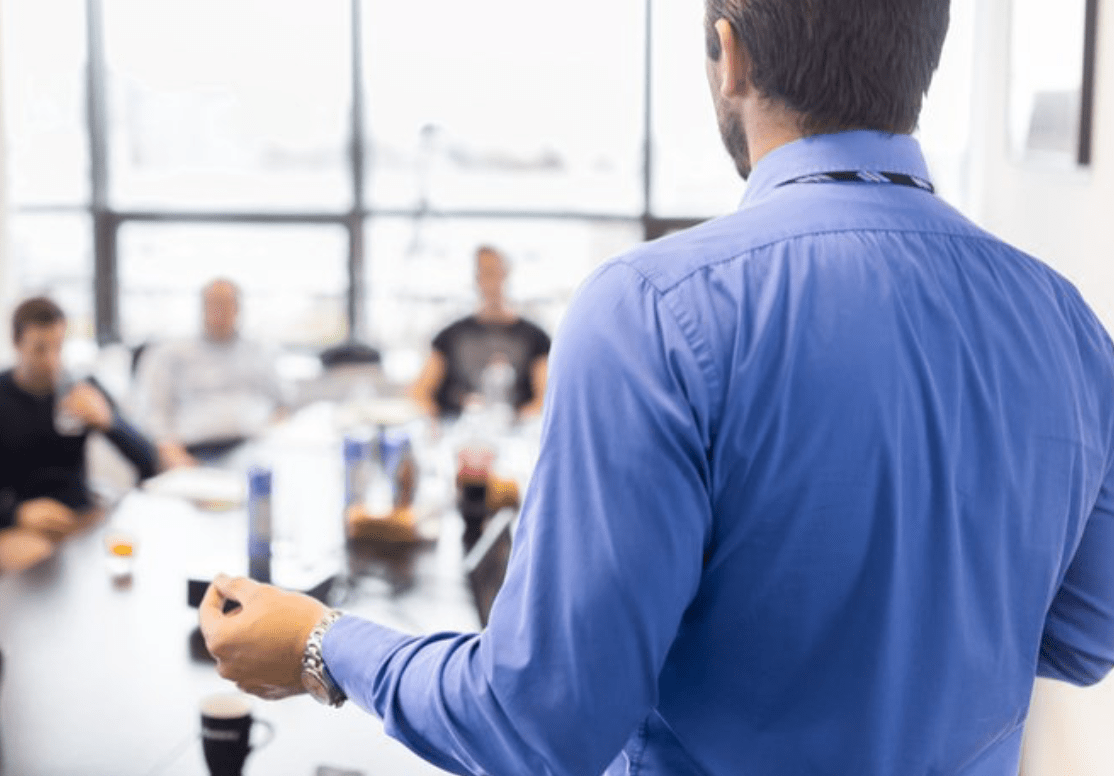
point(259, 644)
point(21, 549)
point(89, 405)
point(174, 456)
point(47, 516)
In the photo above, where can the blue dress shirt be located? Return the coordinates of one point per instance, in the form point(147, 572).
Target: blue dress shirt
point(823, 485)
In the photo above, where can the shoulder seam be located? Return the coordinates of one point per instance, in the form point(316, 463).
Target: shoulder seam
point(975, 235)
point(687, 326)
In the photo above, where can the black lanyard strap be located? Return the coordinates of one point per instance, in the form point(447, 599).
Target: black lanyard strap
point(864, 176)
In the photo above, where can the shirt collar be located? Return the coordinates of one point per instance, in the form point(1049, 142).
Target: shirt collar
point(854, 150)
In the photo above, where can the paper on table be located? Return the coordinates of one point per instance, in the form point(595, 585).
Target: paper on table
point(206, 486)
point(378, 411)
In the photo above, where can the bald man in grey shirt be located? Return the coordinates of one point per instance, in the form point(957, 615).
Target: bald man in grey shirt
point(211, 392)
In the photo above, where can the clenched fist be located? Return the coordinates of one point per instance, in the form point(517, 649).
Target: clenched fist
point(258, 644)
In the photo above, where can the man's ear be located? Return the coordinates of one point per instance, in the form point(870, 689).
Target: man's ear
point(733, 66)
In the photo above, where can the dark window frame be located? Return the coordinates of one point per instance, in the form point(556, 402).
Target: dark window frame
point(106, 220)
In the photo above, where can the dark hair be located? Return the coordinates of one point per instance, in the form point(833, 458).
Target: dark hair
point(839, 64)
point(37, 311)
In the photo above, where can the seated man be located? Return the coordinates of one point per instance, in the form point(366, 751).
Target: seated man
point(200, 397)
point(44, 495)
point(480, 347)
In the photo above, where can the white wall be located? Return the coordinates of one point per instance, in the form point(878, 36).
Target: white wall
point(1065, 217)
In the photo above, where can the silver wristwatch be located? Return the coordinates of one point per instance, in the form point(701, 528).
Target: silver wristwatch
point(315, 677)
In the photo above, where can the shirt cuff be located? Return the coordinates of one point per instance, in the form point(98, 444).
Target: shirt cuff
point(353, 650)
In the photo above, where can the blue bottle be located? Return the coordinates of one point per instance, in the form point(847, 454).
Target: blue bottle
point(259, 524)
point(356, 470)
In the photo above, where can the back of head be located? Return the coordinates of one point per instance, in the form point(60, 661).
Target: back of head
point(36, 311)
point(839, 64)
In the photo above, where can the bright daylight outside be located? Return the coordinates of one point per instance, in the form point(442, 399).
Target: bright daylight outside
point(225, 137)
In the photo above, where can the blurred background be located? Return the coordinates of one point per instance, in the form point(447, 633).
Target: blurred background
point(341, 160)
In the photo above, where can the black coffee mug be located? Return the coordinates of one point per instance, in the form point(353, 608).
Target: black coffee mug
point(472, 504)
point(226, 723)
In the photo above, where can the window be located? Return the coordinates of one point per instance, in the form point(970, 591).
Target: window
point(342, 160)
point(291, 276)
point(50, 240)
point(1051, 63)
point(216, 105)
point(44, 102)
point(693, 174)
point(520, 112)
point(52, 254)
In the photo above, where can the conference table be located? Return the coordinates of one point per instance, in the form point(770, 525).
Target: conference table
point(102, 674)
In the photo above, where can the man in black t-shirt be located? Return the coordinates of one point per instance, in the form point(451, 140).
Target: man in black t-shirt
point(494, 346)
point(44, 496)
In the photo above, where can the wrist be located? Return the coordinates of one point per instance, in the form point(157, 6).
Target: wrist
point(316, 679)
point(106, 422)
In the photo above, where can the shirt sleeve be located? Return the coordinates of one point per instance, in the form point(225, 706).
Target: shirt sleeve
point(134, 446)
point(540, 343)
point(1078, 641)
point(442, 342)
point(606, 559)
point(128, 439)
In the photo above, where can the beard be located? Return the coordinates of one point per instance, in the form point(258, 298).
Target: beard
point(734, 137)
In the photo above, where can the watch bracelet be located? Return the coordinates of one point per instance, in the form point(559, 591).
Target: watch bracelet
point(312, 657)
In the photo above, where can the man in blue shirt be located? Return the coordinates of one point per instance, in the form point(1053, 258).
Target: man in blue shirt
point(824, 484)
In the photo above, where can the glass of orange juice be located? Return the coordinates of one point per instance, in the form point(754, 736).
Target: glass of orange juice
point(120, 554)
